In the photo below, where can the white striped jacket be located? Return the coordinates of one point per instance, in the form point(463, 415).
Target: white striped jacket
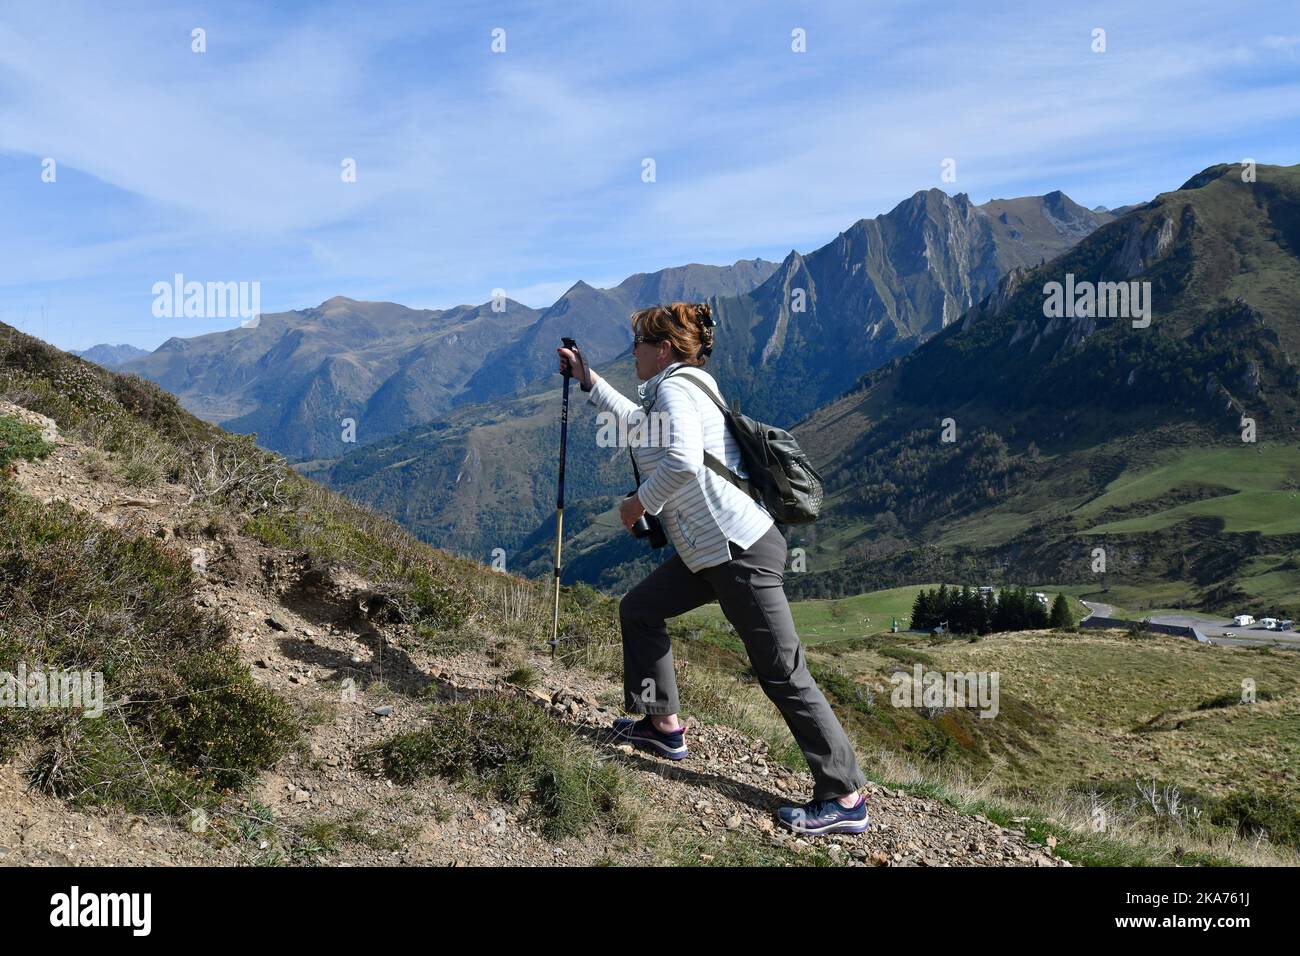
point(700, 510)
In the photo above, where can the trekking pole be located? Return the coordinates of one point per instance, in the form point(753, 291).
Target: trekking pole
point(559, 502)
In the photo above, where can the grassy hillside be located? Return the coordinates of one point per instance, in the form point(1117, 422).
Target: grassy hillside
point(1250, 488)
point(275, 657)
point(849, 618)
point(291, 679)
point(185, 723)
point(1085, 720)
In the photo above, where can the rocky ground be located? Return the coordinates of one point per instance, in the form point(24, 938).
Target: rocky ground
point(358, 682)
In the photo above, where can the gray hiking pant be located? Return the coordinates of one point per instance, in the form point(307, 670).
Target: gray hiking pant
point(750, 590)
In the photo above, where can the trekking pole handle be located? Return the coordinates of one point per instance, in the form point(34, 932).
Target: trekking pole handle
point(570, 344)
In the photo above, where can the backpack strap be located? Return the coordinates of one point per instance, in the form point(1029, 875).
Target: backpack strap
point(714, 464)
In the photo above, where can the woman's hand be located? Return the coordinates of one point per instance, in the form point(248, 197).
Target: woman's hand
point(630, 510)
point(577, 368)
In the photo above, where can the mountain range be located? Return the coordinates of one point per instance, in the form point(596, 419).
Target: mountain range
point(877, 290)
point(935, 312)
point(1071, 432)
point(296, 377)
point(111, 356)
point(482, 476)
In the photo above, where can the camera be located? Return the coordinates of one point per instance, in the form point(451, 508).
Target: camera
point(648, 526)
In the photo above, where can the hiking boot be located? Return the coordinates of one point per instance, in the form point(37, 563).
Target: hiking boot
point(825, 816)
point(644, 734)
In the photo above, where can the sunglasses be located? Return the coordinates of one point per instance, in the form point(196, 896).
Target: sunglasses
point(637, 340)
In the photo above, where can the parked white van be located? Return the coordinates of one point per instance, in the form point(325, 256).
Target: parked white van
point(1241, 620)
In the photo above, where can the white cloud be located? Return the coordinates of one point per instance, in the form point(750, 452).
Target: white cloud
point(478, 170)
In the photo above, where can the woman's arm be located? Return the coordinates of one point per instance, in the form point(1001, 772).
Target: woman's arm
point(603, 395)
point(609, 399)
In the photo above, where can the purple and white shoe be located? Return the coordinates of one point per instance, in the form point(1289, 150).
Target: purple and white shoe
point(825, 816)
point(644, 734)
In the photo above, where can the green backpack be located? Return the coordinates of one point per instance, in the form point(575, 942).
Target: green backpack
point(781, 478)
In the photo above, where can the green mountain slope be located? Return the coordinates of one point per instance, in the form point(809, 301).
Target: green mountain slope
point(876, 291)
point(1082, 432)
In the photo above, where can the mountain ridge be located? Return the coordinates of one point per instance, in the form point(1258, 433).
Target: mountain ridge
point(110, 356)
point(287, 377)
point(855, 272)
point(1048, 399)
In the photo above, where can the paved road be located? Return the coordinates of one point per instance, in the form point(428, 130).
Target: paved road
point(1101, 610)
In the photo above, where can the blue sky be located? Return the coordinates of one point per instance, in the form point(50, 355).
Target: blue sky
point(522, 170)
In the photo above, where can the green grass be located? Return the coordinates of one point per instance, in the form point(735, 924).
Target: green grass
point(819, 621)
point(1134, 601)
point(991, 526)
point(524, 676)
point(1097, 689)
point(1265, 479)
point(1270, 512)
point(1278, 588)
point(1273, 587)
point(1075, 709)
point(507, 749)
point(20, 440)
point(1084, 848)
point(330, 836)
point(1198, 615)
point(184, 719)
point(825, 621)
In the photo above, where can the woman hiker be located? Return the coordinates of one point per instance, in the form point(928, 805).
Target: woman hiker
point(728, 548)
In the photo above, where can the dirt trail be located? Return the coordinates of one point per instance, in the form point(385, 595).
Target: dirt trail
point(298, 630)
